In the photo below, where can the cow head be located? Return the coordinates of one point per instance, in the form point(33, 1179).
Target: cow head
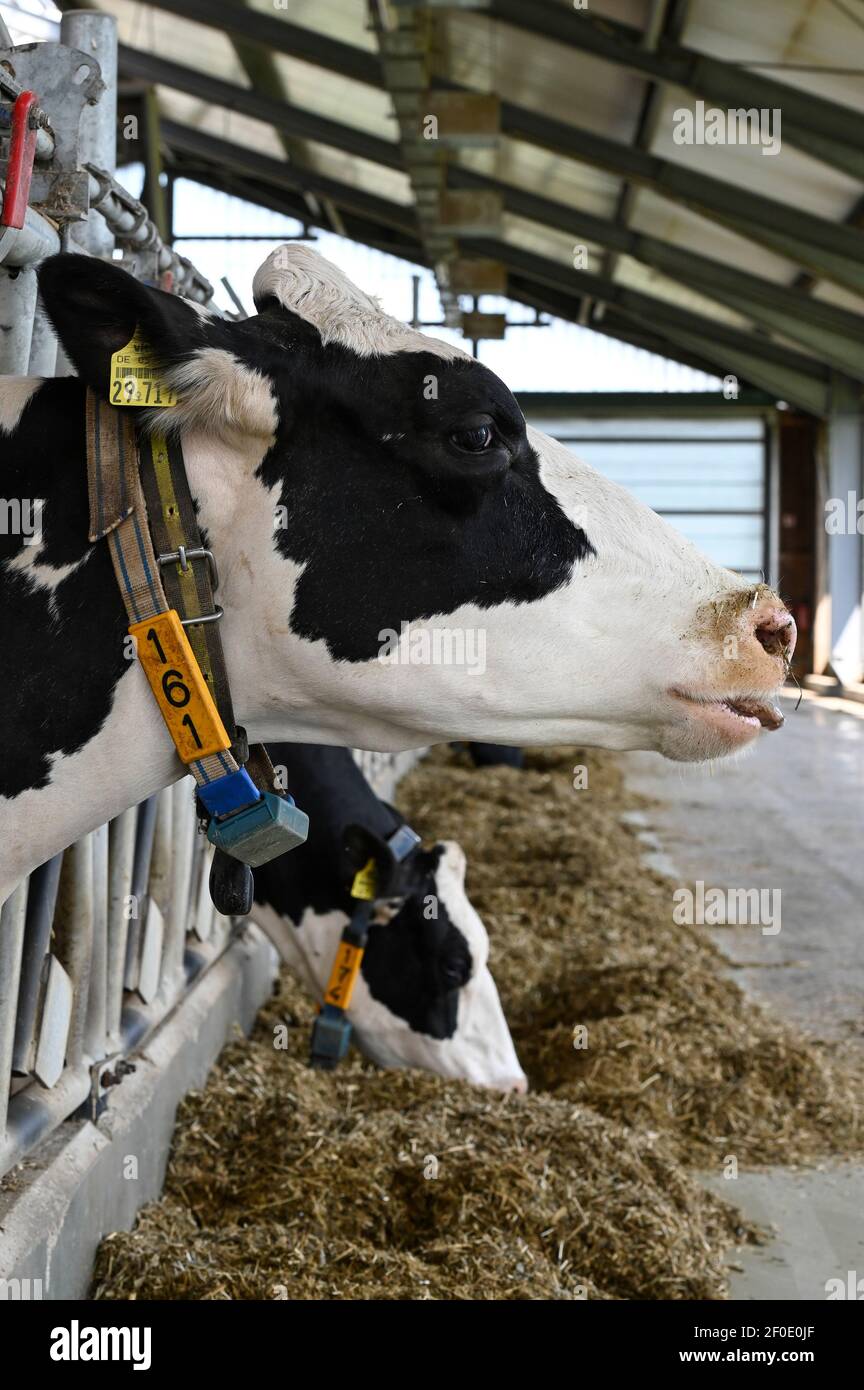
point(425, 996)
point(403, 560)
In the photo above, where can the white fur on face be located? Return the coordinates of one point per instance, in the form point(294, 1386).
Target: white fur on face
point(319, 292)
point(218, 393)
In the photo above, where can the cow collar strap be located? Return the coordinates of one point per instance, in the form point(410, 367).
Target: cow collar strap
point(331, 1031)
point(140, 498)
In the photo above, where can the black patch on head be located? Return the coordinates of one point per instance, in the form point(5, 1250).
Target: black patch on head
point(392, 515)
point(62, 650)
point(413, 965)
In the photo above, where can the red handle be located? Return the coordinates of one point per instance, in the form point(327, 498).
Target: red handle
point(22, 152)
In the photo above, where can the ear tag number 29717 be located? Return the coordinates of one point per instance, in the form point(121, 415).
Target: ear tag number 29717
point(136, 378)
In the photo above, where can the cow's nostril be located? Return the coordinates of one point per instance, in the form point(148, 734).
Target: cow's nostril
point(775, 632)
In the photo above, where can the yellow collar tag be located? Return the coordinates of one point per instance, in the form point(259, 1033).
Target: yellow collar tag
point(136, 378)
point(365, 882)
point(343, 976)
point(178, 683)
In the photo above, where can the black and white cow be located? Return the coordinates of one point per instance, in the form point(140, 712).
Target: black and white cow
point(425, 996)
point(409, 498)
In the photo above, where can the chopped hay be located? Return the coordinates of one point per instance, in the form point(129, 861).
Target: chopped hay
point(311, 1185)
point(286, 1182)
point(582, 934)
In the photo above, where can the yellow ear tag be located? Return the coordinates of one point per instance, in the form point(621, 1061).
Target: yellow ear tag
point(136, 378)
point(365, 885)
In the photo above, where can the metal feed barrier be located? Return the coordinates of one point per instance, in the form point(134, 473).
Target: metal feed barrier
point(100, 944)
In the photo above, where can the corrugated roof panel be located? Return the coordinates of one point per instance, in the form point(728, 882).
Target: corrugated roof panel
point(391, 184)
point(181, 40)
point(345, 20)
point(556, 246)
point(813, 33)
point(788, 176)
point(672, 222)
point(561, 180)
point(536, 73)
point(215, 120)
point(651, 282)
point(338, 98)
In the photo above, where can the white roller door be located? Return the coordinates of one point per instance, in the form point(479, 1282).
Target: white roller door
point(707, 476)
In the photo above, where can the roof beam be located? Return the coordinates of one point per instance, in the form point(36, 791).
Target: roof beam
point(766, 364)
point(824, 129)
point(834, 334)
point(382, 238)
point(279, 35)
point(282, 115)
point(829, 250)
point(280, 174)
point(796, 388)
point(788, 375)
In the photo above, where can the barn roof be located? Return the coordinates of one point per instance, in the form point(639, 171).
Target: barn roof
point(721, 256)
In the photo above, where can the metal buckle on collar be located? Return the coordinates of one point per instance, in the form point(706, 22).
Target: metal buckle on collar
point(181, 556)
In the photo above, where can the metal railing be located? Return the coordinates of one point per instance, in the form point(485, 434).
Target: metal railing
point(98, 945)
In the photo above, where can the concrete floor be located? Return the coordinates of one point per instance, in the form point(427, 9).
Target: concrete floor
point(789, 816)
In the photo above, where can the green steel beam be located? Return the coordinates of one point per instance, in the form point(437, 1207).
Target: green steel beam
point(824, 129)
point(835, 334)
point(826, 249)
point(764, 363)
point(804, 387)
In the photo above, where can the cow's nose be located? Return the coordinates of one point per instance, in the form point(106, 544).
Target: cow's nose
point(774, 628)
point(520, 1086)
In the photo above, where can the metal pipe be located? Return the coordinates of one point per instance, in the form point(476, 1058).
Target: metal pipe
point(73, 932)
point(97, 1002)
point(27, 245)
point(13, 916)
point(41, 901)
point(10, 90)
point(134, 228)
point(18, 291)
point(144, 833)
point(121, 838)
point(34, 1113)
point(95, 33)
point(177, 912)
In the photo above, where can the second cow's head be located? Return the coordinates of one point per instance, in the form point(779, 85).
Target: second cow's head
point(402, 559)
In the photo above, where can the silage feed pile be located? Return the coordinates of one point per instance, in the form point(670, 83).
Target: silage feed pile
point(582, 935)
point(361, 1184)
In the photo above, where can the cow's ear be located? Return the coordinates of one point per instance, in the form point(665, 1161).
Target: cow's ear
point(360, 844)
point(96, 308)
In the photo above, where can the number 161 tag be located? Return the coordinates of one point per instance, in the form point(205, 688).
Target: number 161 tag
point(181, 692)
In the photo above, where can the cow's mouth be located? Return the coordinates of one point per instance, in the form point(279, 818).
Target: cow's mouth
point(752, 712)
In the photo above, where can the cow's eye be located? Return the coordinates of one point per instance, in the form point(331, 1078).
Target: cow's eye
point(456, 973)
point(474, 441)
